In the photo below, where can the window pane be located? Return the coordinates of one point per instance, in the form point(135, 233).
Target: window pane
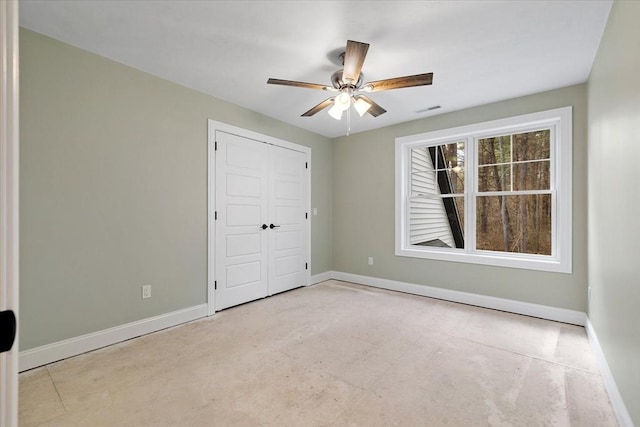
point(519, 224)
point(494, 178)
point(423, 178)
point(494, 150)
point(447, 156)
point(420, 160)
point(458, 214)
point(436, 222)
point(450, 176)
point(532, 175)
point(424, 184)
point(449, 162)
point(451, 181)
point(452, 154)
point(531, 145)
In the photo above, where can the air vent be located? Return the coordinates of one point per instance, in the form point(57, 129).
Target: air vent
point(424, 110)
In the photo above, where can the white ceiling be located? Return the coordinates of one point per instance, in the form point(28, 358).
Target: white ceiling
point(479, 51)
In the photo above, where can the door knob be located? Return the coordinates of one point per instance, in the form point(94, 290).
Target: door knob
point(264, 226)
point(274, 226)
point(8, 322)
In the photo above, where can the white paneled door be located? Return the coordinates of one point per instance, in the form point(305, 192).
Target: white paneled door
point(287, 219)
point(260, 215)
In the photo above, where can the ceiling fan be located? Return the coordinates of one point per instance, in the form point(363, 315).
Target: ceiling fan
point(348, 86)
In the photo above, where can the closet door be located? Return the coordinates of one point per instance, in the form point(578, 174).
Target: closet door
point(241, 195)
point(287, 219)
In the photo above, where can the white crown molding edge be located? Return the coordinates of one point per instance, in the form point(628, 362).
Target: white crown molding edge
point(619, 408)
point(519, 307)
point(53, 352)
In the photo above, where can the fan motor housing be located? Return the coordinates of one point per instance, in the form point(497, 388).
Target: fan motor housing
point(336, 81)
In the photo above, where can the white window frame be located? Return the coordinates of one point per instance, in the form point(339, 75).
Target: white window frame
point(560, 122)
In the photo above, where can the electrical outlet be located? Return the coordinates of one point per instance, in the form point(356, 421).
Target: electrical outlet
point(146, 291)
point(315, 211)
point(370, 260)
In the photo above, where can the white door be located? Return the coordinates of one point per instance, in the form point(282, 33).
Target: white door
point(287, 213)
point(261, 235)
point(241, 224)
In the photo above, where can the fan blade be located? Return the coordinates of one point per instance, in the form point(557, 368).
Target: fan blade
point(375, 110)
point(353, 59)
point(297, 84)
point(399, 82)
point(324, 104)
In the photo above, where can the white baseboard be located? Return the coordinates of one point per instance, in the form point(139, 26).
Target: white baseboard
point(321, 277)
point(49, 353)
point(535, 310)
point(619, 408)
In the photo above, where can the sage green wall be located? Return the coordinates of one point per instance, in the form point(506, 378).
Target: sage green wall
point(614, 199)
point(113, 175)
point(363, 210)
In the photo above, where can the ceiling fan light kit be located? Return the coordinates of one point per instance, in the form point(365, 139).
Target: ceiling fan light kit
point(361, 106)
point(336, 111)
point(348, 83)
point(342, 101)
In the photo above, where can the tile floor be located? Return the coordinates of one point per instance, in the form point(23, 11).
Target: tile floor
point(334, 354)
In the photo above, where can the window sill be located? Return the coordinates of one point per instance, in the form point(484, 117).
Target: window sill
point(527, 262)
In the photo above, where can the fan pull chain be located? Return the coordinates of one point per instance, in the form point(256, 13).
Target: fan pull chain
point(348, 121)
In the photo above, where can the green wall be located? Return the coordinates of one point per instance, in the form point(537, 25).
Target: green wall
point(113, 175)
point(364, 200)
point(614, 199)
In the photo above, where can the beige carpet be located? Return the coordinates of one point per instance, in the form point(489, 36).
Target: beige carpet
point(334, 354)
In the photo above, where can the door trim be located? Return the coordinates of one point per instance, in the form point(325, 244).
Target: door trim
point(214, 126)
point(9, 202)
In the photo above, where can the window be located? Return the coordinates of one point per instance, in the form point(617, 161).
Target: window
point(495, 193)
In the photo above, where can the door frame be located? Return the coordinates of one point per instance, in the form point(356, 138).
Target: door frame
point(9, 202)
point(214, 126)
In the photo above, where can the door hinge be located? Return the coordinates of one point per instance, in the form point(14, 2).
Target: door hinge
point(215, 146)
point(306, 165)
point(215, 285)
point(215, 215)
point(306, 265)
point(306, 215)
